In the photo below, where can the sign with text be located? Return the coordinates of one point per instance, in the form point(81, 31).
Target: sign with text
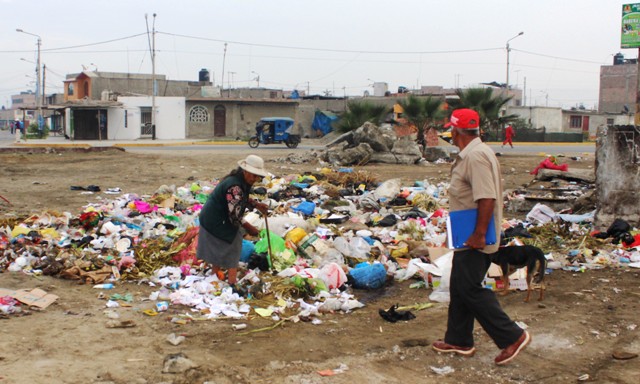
point(630, 32)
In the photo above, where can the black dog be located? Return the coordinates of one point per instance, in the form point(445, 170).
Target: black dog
point(511, 258)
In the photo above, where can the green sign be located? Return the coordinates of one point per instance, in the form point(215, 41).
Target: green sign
point(630, 33)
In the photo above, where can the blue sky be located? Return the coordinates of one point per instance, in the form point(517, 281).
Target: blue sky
point(336, 46)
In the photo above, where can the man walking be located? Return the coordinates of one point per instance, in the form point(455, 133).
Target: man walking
point(509, 134)
point(476, 184)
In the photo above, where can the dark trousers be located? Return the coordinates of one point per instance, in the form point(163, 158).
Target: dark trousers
point(470, 300)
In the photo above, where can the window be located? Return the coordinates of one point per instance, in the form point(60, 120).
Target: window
point(609, 122)
point(70, 90)
point(198, 114)
point(575, 122)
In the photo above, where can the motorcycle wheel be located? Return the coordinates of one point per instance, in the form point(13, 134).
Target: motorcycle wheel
point(254, 142)
point(291, 143)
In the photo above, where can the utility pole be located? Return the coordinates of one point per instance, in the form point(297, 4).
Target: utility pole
point(153, 78)
point(524, 92)
point(224, 58)
point(38, 105)
point(506, 88)
point(44, 83)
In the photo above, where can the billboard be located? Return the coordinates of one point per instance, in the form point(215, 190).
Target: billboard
point(630, 33)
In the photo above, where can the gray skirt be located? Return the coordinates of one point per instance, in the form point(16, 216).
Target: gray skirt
point(218, 252)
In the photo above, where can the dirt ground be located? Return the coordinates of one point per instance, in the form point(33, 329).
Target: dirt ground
point(584, 318)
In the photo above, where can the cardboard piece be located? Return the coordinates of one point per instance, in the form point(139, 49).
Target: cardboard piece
point(436, 252)
point(34, 298)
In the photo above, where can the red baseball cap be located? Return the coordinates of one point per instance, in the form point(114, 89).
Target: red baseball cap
point(464, 119)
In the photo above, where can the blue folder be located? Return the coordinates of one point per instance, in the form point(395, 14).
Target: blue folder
point(461, 224)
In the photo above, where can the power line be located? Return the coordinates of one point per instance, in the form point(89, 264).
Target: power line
point(78, 46)
point(327, 49)
point(557, 57)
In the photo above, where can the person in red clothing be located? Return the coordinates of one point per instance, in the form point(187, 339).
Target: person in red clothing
point(509, 134)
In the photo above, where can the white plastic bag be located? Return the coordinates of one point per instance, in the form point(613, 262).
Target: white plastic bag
point(359, 248)
point(441, 292)
point(388, 190)
point(333, 275)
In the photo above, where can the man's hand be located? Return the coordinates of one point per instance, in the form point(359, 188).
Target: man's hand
point(485, 210)
point(476, 241)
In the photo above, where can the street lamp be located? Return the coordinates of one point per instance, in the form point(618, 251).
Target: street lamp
point(257, 79)
point(38, 108)
point(509, 50)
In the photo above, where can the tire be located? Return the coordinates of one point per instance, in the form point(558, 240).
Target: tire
point(291, 142)
point(254, 142)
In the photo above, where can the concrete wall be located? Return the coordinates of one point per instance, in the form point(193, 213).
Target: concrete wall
point(538, 117)
point(170, 118)
point(241, 116)
point(307, 110)
point(618, 175)
point(618, 85)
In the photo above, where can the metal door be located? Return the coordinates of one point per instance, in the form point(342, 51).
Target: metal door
point(89, 124)
point(219, 121)
point(145, 122)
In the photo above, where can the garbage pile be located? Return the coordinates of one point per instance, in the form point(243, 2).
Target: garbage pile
point(559, 188)
point(330, 232)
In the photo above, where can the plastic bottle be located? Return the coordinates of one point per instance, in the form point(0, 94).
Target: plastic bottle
point(104, 286)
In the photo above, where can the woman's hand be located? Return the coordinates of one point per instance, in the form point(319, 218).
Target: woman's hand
point(253, 231)
point(262, 207)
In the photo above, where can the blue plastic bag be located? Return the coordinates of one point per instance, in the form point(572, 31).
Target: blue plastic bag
point(368, 276)
point(306, 208)
point(247, 249)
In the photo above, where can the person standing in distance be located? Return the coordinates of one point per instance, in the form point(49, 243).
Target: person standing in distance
point(509, 134)
point(476, 183)
point(220, 237)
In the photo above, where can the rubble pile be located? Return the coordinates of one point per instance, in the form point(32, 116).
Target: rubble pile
point(329, 230)
point(370, 143)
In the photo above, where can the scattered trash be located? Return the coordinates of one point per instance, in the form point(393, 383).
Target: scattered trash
point(623, 355)
point(175, 340)
point(392, 315)
point(331, 372)
point(238, 327)
point(442, 370)
point(34, 298)
point(177, 363)
point(120, 324)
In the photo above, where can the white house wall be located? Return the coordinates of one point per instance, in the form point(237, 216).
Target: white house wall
point(550, 118)
point(170, 118)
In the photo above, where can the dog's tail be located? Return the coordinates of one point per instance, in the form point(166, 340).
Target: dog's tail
point(543, 265)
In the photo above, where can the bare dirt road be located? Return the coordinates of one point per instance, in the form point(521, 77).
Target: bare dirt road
point(584, 318)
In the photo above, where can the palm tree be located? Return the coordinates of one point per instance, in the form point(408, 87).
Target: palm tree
point(488, 106)
point(359, 112)
point(422, 111)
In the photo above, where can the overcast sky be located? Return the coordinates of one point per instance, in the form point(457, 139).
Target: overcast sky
point(337, 46)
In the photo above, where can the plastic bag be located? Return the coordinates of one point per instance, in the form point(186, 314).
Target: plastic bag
point(388, 190)
point(306, 208)
point(277, 243)
point(359, 248)
point(295, 235)
point(368, 276)
point(247, 249)
point(333, 275)
point(441, 292)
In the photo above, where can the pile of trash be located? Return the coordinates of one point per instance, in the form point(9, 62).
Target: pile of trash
point(330, 232)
